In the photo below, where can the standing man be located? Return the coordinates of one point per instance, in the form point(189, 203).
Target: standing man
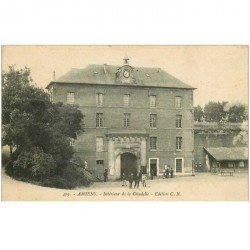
point(131, 179)
point(167, 172)
point(172, 172)
point(105, 175)
point(151, 174)
point(137, 180)
point(124, 183)
point(144, 180)
point(140, 175)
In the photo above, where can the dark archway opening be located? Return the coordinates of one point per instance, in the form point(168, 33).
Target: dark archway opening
point(128, 164)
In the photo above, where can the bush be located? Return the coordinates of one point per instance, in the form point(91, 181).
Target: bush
point(57, 182)
point(76, 175)
point(40, 168)
point(71, 176)
point(34, 164)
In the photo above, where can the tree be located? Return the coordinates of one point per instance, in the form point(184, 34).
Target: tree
point(214, 111)
point(33, 124)
point(198, 113)
point(237, 113)
point(18, 98)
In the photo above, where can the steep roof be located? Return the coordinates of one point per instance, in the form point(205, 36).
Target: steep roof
point(106, 74)
point(226, 154)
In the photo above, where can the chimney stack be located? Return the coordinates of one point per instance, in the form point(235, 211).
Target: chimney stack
point(126, 60)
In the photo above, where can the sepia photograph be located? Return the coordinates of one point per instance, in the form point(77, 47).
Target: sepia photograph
point(125, 123)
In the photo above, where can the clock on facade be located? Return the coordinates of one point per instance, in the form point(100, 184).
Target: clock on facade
point(126, 73)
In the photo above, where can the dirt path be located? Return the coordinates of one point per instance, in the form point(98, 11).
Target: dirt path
point(202, 187)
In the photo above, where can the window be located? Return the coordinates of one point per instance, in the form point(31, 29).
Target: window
point(178, 165)
point(241, 164)
point(178, 101)
point(178, 121)
point(99, 120)
point(231, 164)
point(70, 98)
point(153, 143)
point(178, 143)
point(99, 162)
point(126, 100)
point(99, 99)
point(126, 120)
point(152, 122)
point(99, 144)
point(152, 101)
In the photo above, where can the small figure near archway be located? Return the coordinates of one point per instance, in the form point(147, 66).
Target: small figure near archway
point(105, 175)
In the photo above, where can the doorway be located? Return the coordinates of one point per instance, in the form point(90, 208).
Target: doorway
point(153, 166)
point(128, 164)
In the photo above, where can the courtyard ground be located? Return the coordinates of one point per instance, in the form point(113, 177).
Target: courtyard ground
point(202, 187)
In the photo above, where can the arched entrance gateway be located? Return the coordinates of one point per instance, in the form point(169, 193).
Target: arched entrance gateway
point(128, 164)
point(126, 152)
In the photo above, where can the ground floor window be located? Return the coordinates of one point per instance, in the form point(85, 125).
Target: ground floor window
point(99, 162)
point(178, 165)
point(241, 164)
point(231, 164)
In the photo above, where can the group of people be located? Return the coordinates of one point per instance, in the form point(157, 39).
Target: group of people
point(168, 172)
point(138, 177)
point(135, 178)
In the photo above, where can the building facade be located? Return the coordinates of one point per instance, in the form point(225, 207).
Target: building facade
point(134, 118)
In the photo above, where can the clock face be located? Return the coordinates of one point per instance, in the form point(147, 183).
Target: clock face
point(126, 73)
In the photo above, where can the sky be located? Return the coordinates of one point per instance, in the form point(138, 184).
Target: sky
point(220, 73)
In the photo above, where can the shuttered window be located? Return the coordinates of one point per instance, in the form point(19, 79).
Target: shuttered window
point(99, 120)
point(99, 99)
point(99, 144)
point(178, 121)
point(153, 143)
point(70, 98)
point(126, 120)
point(126, 100)
point(178, 143)
point(152, 101)
point(153, 120)
point(178, 101)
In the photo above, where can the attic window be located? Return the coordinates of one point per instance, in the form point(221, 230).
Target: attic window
point(147, 75)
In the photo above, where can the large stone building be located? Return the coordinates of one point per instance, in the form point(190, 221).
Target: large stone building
point(135, 117)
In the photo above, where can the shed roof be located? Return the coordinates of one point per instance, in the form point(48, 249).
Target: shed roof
point(226, 154)
point(106, 74)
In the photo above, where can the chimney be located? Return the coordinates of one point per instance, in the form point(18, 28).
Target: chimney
point(126, 60)
point(54, 75)
point(104, 68)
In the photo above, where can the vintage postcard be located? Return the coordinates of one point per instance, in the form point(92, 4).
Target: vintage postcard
point(125, 123)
